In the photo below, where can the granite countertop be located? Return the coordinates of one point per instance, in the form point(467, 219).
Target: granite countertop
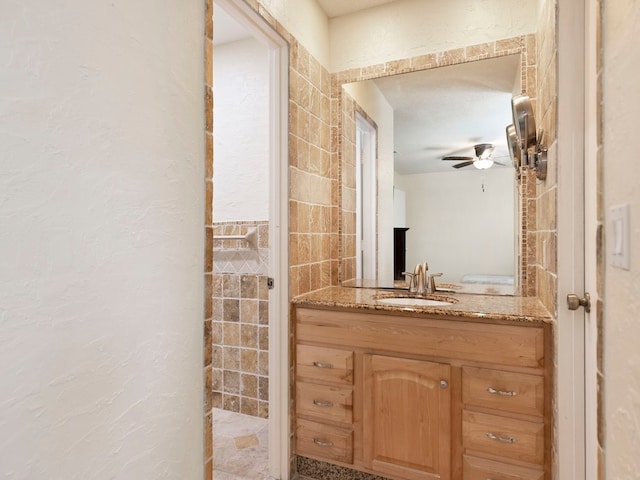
point(487, 307)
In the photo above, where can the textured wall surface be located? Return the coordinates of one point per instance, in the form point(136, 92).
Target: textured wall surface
point(241, 140)
point(304, 21)
point(427, 27)
point(101, 239)
point(621, 97)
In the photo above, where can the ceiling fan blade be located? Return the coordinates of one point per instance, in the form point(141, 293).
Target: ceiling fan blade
point(499, 163)
point(463, 164)
point(457, 159)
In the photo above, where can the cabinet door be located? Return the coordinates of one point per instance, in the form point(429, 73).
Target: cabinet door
point(406, 417)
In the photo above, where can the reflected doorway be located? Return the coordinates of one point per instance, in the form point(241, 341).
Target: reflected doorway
point(366, 199)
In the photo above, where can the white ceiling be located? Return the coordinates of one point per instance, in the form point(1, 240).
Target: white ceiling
point(446, 111)
point(439, 112)
point(337, 8)
point(226, 28)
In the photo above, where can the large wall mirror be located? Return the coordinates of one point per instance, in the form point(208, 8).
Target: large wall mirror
point(433, 202)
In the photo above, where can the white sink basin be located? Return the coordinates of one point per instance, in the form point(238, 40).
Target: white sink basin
point(413, 301)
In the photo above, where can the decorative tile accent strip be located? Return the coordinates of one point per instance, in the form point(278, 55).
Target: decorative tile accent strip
point(208, 277)
point(249, 254)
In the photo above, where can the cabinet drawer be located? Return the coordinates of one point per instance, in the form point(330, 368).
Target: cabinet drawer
point(319, 440)
point(324, 364)
point(483, 469)
point(324, 401)
point(506, 391)
point(502, 436)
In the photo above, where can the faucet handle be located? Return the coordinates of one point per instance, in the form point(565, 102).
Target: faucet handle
point(412, 281)
point(432, 281)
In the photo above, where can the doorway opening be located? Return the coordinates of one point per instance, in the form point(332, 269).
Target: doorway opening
point(250, 257)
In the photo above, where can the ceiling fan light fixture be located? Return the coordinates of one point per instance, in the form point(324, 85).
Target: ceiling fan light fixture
point(483, 150)
point(483, 163)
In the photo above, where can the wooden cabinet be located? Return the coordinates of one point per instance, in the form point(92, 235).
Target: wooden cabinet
point(419, 398)
point(324, 403)
point(407, 427)
point(504, 419)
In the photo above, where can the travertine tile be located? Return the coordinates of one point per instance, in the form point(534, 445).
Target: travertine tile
point(231, 310)
point(231, 333)
point(248, 286)
point(249, 386)
point(249, 360)
point(230, 358)
point(249, 311)
point(231, 381)
point(248, 336)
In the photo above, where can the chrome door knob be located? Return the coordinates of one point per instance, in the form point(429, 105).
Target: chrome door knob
point(574, 302)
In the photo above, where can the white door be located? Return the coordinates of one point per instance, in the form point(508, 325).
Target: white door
point(577, 222)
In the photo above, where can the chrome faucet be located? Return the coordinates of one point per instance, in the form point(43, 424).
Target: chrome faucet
point(418, 279)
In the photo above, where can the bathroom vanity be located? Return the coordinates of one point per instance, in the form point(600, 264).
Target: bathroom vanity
point(460, 391)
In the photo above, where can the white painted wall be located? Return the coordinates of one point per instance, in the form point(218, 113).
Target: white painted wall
point(101, 239)
point(399, 208)
point(306, 21)
point(367, 95)
point(373, 36)
point(456, 226)
point(622, 289)
point(241, 131)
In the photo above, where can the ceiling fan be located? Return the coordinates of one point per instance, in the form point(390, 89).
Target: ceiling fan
point(481, 161)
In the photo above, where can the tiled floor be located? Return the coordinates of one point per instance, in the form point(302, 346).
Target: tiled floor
point(240, 448)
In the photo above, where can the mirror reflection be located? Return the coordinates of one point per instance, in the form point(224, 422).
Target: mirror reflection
point(446, 190)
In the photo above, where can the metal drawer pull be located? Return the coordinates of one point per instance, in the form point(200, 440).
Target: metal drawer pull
point(322, 365)
point(503, 393)
point(322, 443)
point(493, 436)
point(322, 403)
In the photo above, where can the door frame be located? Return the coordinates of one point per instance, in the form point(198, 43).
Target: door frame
point(279, 444)
point(591, 233)
point(576, 155)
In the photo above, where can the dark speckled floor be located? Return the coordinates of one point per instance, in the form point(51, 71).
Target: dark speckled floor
point(309, 469)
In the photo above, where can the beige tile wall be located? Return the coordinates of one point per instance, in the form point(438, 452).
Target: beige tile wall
point(240, 325)
point(545, 234)
point(240, 343)
point(313, 176)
